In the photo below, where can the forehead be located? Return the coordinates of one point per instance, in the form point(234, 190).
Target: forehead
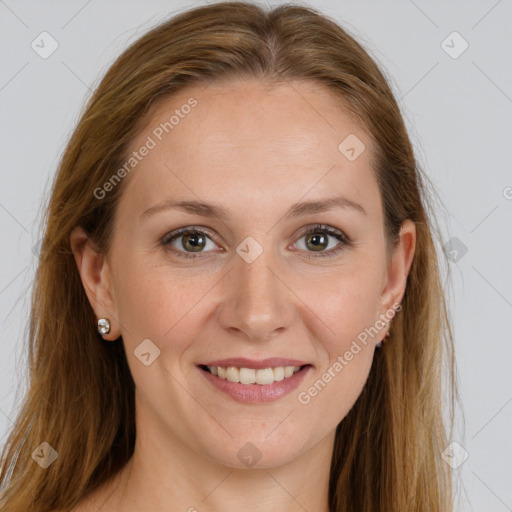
point(259, 140)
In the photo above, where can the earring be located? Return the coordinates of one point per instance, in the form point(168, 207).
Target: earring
point(103, 326)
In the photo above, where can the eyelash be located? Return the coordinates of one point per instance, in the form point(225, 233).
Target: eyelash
point(339, 235)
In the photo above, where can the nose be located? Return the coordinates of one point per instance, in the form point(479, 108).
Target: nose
point(258, 304)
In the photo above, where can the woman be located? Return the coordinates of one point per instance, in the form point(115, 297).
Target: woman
point(238, 300)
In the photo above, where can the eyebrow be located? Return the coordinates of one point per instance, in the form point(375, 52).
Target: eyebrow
point(219, 212)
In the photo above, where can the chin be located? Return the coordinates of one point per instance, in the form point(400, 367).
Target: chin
point(257, 451)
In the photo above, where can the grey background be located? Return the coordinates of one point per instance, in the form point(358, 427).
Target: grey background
point(458, 112)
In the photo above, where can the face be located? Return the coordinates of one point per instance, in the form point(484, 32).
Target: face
point(252, 281)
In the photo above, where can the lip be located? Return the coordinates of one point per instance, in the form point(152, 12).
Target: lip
point(256, 393)
point(242, 362)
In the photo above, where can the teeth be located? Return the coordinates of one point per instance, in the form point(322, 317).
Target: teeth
point(263, 376)
point(288, 371)
point(232, 374)
point(279, 373)
point(247, 376)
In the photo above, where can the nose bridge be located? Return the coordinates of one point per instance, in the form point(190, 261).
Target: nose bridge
point(258, 303)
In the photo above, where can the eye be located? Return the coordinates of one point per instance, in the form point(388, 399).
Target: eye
point(317, 240)
point(185, 242)
point(192, 239)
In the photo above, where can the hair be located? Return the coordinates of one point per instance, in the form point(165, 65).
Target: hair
point(80, 398)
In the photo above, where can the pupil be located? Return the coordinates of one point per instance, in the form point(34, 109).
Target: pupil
point(193, 239)
point(317, 247)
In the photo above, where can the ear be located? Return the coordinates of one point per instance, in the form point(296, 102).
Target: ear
point(399, 266)
point(96, 278)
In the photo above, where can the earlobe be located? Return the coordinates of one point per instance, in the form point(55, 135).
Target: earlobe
point(95, 276)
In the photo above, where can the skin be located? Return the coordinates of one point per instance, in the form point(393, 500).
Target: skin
point(255, 150)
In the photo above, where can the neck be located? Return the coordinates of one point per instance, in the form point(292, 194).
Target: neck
point(160, 475)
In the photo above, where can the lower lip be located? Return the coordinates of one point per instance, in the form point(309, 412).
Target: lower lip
point(256, 393)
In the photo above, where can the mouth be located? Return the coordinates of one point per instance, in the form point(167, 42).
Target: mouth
point(248, 376)
point(254, 385)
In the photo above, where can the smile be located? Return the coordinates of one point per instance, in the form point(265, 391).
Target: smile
point(251, 385)
point(263, 377)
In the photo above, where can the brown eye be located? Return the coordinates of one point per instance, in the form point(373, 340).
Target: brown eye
point(317, 241)
point(183, 242)
point(193, 242)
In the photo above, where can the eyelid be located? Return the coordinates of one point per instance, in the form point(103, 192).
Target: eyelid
point(344, 241)
point(342, 237)
point(180, 231)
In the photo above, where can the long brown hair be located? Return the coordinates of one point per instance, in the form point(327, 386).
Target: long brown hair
point(80, 399)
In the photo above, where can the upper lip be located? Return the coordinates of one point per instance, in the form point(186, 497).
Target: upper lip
point(242, 362)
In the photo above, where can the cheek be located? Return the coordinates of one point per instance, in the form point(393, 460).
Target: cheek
point(347, 303)
point(150, 302)
point(347, 306)
point(339, 380)
point(159, 303)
